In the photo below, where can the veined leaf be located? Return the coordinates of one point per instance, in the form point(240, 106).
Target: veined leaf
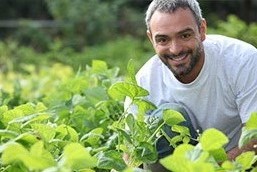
point(120, 90)
point(93, 136)
point(39, 158)
point(45, 132)
point(146, 152)
point(131, 72)
point(246, 159)
point(13, 152)
point(172, 117)
point(66, 132)
point(130, 121)
point(111, 160)
point(143, 107)
point(77, 157)
point(213, 139)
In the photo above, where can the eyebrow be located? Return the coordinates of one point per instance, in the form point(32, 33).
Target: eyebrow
point(186, 30)
point(179, 33)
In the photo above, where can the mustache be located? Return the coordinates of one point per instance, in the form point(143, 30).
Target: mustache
point(175, 56)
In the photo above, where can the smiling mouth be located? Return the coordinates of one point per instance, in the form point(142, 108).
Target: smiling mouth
point(177, 58)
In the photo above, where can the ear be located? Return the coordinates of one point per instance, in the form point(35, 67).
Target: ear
point(149, 34)
point(203, 29)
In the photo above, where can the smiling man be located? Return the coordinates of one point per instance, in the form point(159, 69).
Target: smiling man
point(211, 77)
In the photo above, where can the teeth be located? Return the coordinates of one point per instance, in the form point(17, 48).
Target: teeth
point(179, 58)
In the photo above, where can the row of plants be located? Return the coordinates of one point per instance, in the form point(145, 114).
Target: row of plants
point(56, 119)
point(116, 52)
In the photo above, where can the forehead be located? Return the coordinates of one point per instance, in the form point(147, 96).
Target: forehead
point(173, 22)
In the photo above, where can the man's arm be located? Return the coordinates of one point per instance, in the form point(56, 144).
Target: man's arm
point(251, 146)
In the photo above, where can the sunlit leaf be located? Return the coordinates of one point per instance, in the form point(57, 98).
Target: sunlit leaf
point(120, 90)
point(77, 157)
point(131, 72)
point(172, 117)
point(252, 122)
point(246, 159)
point(213, 139)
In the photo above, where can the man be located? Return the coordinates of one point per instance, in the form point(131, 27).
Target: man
point(212, 77)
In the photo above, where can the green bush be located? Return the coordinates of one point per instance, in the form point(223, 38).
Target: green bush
point(234, 27)
point(116, 53)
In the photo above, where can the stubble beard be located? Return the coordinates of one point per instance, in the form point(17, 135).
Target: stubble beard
point(183, 69)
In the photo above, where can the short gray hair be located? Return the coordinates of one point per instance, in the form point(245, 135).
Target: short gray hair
point(168, 6)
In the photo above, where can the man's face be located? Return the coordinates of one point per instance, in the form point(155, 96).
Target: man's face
point(177, 40)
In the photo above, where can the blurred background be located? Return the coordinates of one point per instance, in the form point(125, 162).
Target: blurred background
point(74, 32)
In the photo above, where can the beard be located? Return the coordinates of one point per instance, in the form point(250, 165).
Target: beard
point(183, 69)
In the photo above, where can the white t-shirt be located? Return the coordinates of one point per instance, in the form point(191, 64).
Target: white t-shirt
point(224, 94)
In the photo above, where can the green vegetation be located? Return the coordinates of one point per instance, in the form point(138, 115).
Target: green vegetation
point(62, 110)
point(58, 120)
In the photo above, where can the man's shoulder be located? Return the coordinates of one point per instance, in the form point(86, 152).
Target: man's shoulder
point(222, 41)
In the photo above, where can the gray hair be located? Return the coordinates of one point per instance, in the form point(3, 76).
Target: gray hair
point(168, 6)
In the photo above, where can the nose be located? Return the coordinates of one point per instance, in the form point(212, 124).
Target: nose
point(175, 47)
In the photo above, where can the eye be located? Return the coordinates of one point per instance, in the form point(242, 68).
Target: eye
point(161, 40)
point(186, 36)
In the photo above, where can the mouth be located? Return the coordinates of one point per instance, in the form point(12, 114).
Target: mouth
point(177, 58)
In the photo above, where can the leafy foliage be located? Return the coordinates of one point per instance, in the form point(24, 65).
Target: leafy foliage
point(58, 120)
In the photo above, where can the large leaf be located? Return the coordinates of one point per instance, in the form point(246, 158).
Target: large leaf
point(172, 117)
point(246, 159)
point(120, 90)
point(213, 139)
point(186, 158)
point(146, 152)
point(111, 160)
point(77, 157)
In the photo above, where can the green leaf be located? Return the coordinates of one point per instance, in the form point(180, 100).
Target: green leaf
point(252, 122)
point(98, 66)
point(213, 139)
point(125, 134)
point(186, 158)
point(39, 158)
point(93, 137)
point(13, 152)
point(146, 152)
point(44, 131)
point(178, 161)
point(131, 72)
point(172, 117)
point(247, 136)
point(143, 106)
point(77, 157)
point(111, 160)
point(27, 138)
point(9, 134)
point(227, 165)
point(246, 159)
point(66, 132)
point(219, 155)
point(130, 121)
point(120, 90)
